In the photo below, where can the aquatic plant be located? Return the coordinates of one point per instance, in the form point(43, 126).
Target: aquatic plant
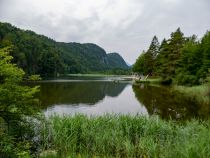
point(126, 136)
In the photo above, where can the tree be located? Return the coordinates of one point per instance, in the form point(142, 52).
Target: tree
point(175, 45)
point(139, 65)
point(17, 106)
point(145, 63)
point(154, 47)
point(205, 48)
point(184, 60)
point(151, 55)
point(162, 59)
point(190, 63)
point(169, 55)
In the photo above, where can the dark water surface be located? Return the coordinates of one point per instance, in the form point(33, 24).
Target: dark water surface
point(101, 95)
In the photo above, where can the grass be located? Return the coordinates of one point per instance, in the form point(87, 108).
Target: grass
point(200, 92)
point(124, 136)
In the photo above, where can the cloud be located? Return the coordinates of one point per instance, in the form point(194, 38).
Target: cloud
point(124, 26)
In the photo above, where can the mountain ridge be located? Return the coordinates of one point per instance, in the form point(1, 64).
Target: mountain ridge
point(39, 54)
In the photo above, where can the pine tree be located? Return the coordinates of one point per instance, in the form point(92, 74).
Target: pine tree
point(205, 48)
point(190, 63)
point(151, 55)
point(171, 55)
point(162, 59)
point(154, 47)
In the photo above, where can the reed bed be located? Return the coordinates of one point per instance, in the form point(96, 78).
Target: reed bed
point(124, 136)
point(201, 92)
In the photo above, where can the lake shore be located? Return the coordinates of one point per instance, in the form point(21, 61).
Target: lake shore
point(124, 136)
point(200, 92)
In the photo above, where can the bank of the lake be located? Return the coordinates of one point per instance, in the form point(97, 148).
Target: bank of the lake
point(200, 93)
point(124, 136)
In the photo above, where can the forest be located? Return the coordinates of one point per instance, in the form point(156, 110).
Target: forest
point(38, 54)
point(180, 60)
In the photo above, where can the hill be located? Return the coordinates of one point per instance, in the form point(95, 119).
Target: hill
point(38, 54)
point(115, 60)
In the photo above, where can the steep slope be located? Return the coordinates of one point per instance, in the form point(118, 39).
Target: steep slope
point(91, 56)
point(116, 61)
point(38, 54)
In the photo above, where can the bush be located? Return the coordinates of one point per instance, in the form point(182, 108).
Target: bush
point(17, 106)
point(182, 79)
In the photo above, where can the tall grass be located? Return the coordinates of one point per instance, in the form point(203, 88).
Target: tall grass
point(200, 92)
point(124, 136)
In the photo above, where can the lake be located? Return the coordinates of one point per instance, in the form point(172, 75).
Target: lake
point(99, 95)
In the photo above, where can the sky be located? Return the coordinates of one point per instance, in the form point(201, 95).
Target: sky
point(123, 26)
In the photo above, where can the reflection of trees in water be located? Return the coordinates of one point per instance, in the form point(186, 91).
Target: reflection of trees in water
point(78, 92)
point(167, 104)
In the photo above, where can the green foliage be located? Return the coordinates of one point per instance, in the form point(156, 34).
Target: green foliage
point(37, 54)
point(145, 62)
point(125, 136)
point(139, 65)
point(205, 48)
point(17, 105)
point(171, 54)
point(34, 78)
point(185, 61)
point(200, 92)
point(116, 61)
point(188, 71)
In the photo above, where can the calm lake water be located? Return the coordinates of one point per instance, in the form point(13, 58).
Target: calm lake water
point(101, 95)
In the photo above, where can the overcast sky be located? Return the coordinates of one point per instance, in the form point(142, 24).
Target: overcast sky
point(123, 26)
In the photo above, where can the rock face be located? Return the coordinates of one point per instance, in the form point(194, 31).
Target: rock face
point(40, 54)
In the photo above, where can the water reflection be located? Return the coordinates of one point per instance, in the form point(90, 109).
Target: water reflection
point(162, 101)
point(124, 103)
point(75, 93)
point(97, 96)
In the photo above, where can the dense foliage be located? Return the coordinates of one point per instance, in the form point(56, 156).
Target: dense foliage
point(17, 107)
point(37, 54)
point(124, 136)
point(184, 60)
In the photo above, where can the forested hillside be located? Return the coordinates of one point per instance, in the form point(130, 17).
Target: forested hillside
point(38, 54)
point(115, 59)
point(179, 59)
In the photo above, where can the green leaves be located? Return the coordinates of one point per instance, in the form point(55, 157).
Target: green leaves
point(183, 60)
point(146, 61)
point(16, 105)
point(37, 54)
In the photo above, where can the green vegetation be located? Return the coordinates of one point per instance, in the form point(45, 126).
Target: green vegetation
point(37, 54)
point(168, 103)
point(17, 107)
point(200, 92)
point(115, 59)
point(182, 60)
point(186, 61)
point(124, 136)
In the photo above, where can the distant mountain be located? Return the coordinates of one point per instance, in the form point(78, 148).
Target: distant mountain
point(115, 60)
point(38, 54)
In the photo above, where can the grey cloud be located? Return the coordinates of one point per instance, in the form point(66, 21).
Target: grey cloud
point(125, 26)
